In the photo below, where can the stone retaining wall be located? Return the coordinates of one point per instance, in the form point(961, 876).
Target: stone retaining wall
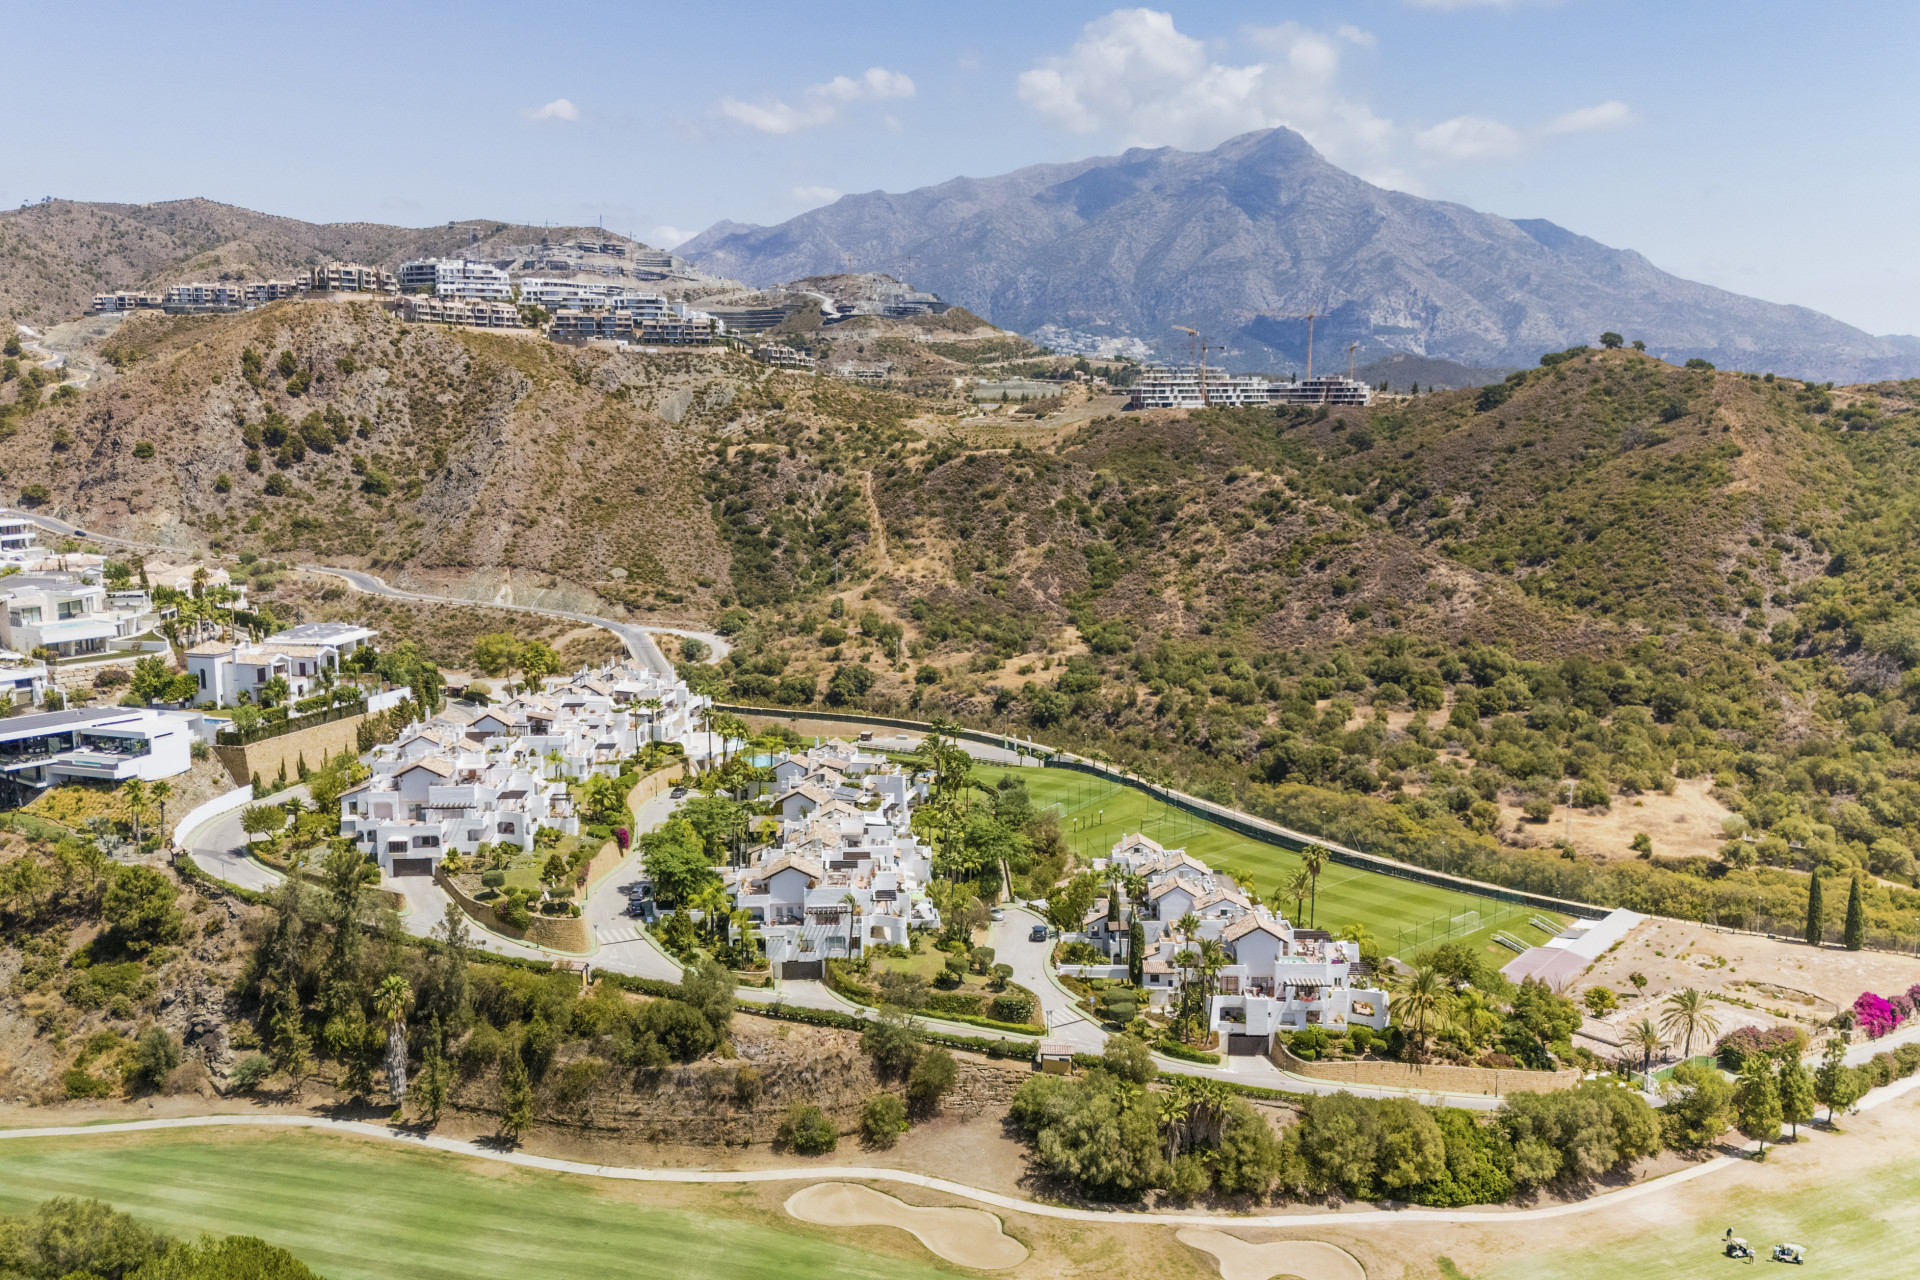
point(1441, 1077)
point(266, 756)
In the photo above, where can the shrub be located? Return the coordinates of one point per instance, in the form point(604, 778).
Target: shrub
point(79, 1084)
point(1310, 1042)
point(883, 1119)
point(1361, 1038)
point(807, 1130)
point(154, 1055)
point(1129, 1058)
point(1741, 1043)
point(250, 1072)
point(1010, 1007)
point(932, 1078)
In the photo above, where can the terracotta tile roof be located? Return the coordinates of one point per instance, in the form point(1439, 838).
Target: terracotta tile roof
point(430, 764)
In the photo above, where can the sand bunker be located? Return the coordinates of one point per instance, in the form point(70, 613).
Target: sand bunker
point(1307, 1259)
point(969, 1237)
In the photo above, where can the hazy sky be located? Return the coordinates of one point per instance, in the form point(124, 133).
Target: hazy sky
point(1765, 147)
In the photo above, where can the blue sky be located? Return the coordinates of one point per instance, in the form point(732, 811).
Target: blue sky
point(1764, 147)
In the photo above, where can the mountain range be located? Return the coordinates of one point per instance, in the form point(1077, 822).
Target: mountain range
point(1243, 240)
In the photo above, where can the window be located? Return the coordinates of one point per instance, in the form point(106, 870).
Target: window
point(71, 608)
point(202, 674)
point(426, 842)
point(505, 828)
point(25, 617)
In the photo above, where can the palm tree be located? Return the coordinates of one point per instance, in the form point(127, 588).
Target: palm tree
point(1297, 887)
point(134, 792)
point(160, 792)
point(1187, 924)
point(1421, 997)
point(391, 1000)
point(653, 706)
point(1687, 1014)
point(1315, 859)
point(1645, 1037)
point(1172, 1112)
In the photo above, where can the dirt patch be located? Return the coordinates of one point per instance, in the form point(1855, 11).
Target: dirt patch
point(1684, 824)
point(969, 1237)
point(1788, 980)
point(1307, 1259)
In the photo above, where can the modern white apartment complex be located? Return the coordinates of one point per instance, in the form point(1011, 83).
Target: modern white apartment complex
point(351, 277)
point(478, 312)
point(1194, 388)
point(455, 278)
point(127, 300)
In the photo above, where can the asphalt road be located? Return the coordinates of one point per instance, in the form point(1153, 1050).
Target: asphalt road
point(638, 639)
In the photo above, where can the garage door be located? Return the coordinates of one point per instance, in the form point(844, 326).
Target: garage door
point(413, 866)
point(1244, 1046)
point(815, 969)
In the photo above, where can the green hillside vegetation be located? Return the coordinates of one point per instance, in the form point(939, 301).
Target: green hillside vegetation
point(1606, 570)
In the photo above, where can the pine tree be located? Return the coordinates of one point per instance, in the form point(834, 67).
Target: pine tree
point(1756, 1103)
point(1795, 1087)
point(1855, 935)
point(516, 1098)
point(259, 787)
point(1816, 911)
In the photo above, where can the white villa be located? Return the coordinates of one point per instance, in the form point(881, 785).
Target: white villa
point(70, 613)
point(846, 872)
point(110, 745)
point(224, 669)
point(1278, 978)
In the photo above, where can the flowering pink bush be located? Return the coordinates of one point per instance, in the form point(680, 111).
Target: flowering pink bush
point(1875, 1015)
point(1902, 1006)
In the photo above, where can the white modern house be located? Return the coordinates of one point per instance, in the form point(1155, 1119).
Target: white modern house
point(69, 613)
point(416, 808)
point(224, 669)
point(110, 745)
point(23, 680)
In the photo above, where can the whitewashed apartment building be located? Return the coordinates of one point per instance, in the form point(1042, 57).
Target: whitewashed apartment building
point(1279, 978)
point(847, 871)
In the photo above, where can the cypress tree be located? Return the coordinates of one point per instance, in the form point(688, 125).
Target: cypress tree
point(259, 787)
point(1816, 911)
point(1855, 936)
point(1136, 952)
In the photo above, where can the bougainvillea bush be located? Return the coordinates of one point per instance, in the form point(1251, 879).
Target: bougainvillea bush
point(1875, 1015)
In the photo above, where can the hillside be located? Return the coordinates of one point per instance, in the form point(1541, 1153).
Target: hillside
point(1668, 595)
point(1243, 240)
point(55, 256)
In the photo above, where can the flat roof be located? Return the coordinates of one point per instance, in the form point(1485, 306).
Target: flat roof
point(320, 633)
point(48, 721)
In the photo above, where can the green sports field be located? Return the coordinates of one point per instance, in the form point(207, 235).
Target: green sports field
point(354, 1209)
point(1403, 915)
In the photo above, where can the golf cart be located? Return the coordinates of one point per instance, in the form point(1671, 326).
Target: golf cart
point(1794, 1253)
point(1736, 1247)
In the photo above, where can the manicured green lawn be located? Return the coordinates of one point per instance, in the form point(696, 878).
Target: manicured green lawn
point(1403, 915)
point(1861, 1226)
point(354, 1208)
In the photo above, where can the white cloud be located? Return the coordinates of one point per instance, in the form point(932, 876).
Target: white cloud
point(665, 237)
point(1469, 138)
point(814, 196)
point(1134, 75)
point(558, 109)
point(819, 104)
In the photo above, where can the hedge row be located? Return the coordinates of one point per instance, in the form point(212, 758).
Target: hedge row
point(849, 1022)
point(1174, 1049)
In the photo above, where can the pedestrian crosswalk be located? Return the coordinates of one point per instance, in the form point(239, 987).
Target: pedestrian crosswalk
point(609, 934)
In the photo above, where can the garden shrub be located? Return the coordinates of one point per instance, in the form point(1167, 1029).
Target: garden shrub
point(807, 1130)
point(883, 1119)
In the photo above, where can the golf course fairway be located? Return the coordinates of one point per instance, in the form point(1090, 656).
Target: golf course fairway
point(351, 1209)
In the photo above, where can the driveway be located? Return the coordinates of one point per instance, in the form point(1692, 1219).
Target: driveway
point(219, 848)
point(1033, 969)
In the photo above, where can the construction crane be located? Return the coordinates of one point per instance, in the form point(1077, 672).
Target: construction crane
point(1351, 348)
point(1308, 317)
point(1194, 340)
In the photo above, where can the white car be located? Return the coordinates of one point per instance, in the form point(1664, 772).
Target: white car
point(996, 914)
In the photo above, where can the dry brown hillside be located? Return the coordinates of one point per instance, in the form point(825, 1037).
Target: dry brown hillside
point(488, 461)
point(54, 257)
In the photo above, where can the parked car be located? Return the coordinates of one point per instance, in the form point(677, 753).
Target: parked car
point(1039, 934)
point(678, 793)
point(641, 909)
